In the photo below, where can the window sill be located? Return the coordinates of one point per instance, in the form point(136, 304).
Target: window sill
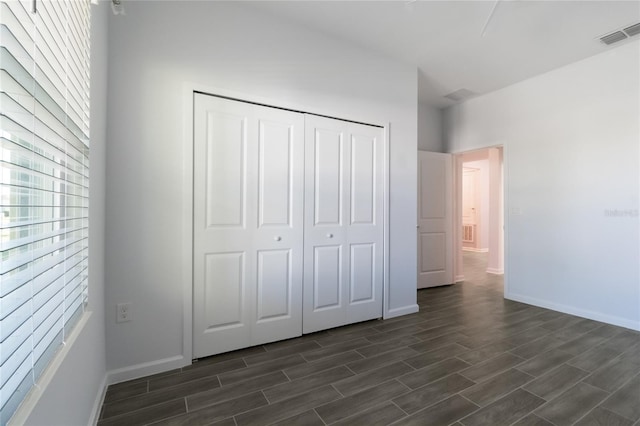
point(23, 412)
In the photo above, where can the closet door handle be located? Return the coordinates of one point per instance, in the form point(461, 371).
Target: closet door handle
point(329, 235)
point(277, 238)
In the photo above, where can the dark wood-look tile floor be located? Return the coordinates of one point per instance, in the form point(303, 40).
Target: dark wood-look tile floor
point(468, 358)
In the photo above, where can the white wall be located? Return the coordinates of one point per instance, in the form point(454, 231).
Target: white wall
point(429, 128)
point(154, 50)
point(571, 140)
point(74, 395)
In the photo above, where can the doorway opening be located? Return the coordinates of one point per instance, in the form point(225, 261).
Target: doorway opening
point(479, 213)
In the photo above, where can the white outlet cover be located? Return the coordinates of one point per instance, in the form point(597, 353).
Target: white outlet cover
point(123, 312)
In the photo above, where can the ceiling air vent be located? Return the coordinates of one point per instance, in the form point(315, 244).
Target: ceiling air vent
point(460, 95)
point(632, 30)
point(613, 37)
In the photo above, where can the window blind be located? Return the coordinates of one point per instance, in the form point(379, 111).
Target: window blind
point(44, 185)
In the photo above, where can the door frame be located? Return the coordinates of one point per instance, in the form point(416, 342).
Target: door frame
point(189, 89)
point(457, 207)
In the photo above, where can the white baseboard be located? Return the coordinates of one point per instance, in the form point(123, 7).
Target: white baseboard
point(572, 310)
point(405, 310)
point(459, 278)
point(146, 369)
point(476, 250)
point(495, 271)
point(97, 405)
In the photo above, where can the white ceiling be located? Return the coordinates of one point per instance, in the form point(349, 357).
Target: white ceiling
point(445, 39)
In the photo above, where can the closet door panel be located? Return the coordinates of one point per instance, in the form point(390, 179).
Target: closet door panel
point(343, 230)
point(362, 274)
point(248, 206)
point(224, 291)
point(278, 230)
point(327, 189)
point(275, 174)
point(221, 272)
point(365, 229)
point(363, 180)
point(274, 285)
point(225, 169)
point(325, 253)
point(327, 278)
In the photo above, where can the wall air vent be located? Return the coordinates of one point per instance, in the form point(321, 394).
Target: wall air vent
point(613, 37)
point(632, 30)
point(460, 95)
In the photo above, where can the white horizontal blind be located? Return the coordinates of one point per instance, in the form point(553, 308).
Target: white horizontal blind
point(44, 185)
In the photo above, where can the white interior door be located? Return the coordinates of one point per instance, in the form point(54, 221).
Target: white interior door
point(248, 224)
point(343, 223)
point(435, 215)
point(469, 184)
point(470, 207)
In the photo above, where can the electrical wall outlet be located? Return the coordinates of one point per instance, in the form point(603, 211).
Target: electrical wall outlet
point(123, 312)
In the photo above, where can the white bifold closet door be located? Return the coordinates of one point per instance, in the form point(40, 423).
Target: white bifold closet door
point(248, 224)
point(343, 235)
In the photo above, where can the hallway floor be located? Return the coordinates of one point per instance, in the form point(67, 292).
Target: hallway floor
point(469, 357)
